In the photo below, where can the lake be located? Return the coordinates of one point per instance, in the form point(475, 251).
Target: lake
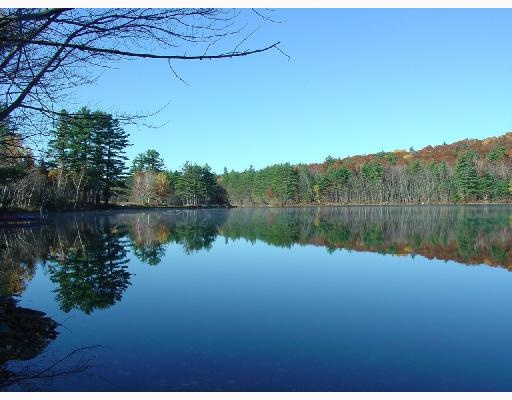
point(412, 298)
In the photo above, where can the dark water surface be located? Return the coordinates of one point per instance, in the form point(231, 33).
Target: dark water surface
point(293, 299)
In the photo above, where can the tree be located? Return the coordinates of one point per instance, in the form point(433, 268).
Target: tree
point(143, 187)
point(391, 157)
point(44, 53)
point(14, 159)
point(111, 141)
point(195, 183)
point(150, 160)
point(372, 171)
point(71, 151)
point(148, 180)
point(87, 150)
point(466, 176)
point(497, 153)
point(337, 180)
point(161, 186)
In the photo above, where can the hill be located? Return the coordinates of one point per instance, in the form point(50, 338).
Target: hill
point(469, 170)
point(496, 147)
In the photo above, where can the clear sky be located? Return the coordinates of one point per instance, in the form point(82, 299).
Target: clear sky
point(358, 81)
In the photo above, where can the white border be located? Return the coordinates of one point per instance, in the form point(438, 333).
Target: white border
point(265, 3)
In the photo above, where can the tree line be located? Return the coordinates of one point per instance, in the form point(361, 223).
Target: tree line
point(149, 183)
point(472, 177)
point(85, 165)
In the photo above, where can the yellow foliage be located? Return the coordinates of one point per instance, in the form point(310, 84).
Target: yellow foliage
point(161, 184)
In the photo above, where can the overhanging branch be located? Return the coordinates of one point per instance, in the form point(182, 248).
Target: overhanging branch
point(100, 50)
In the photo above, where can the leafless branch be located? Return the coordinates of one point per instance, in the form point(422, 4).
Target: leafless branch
point(46, 53)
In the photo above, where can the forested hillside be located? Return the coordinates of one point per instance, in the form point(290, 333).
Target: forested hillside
point(465, 171)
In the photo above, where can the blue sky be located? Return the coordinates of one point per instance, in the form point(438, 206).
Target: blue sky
point(358, 81)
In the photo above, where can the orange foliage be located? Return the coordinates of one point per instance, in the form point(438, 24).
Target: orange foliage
point(445, 152)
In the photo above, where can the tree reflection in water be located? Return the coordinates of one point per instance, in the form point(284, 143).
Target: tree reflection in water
point(91, 271)
point(469, 234)
point(87, 255)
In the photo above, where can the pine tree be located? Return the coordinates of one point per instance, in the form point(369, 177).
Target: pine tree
point(466, 176)
point(150, 160)
point(111, 141)
point(87, 149)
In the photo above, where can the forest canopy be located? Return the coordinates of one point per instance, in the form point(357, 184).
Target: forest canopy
point(86, 166)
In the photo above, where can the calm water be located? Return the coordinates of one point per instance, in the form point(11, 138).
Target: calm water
point(307, 299)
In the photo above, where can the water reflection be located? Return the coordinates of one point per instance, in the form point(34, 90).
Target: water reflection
point(149, 233)
point(24, 334)
point(20, 251)
point(87, 255)
point(469, 235)
point(89, 266)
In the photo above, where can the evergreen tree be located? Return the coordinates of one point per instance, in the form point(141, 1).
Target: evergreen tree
point(150, 160)
point(87, 151)
point(466, 176)
point(195, 183)
point(111, 141)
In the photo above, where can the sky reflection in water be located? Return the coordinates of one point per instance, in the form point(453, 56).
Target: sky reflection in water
point(345, 298)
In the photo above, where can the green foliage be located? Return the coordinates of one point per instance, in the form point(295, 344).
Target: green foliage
point(14, 158)
point(276, 184)
point(466, 176)
point(391, 158)
point(195, 183)
point(376, 181)
point(414, 167)
point(486, 185)
point(88, 148)
point(329, 160)
point(92, 273)
point(86, 164)
point(150, 160)
point(372, 172)
point(497, 154)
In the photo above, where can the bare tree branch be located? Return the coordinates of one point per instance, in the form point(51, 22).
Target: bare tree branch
point(148, 55)
point(46, 53)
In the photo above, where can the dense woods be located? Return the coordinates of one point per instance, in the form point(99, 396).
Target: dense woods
point(85, 166)
point(466, 171)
